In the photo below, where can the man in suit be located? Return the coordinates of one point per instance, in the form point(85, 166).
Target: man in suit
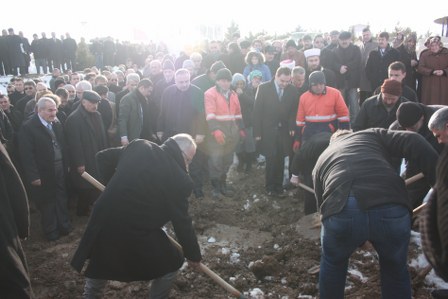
point(42, 152)
point(274, 124)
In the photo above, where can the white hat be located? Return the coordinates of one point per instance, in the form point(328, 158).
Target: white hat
point(288, 63)
point(312, 52)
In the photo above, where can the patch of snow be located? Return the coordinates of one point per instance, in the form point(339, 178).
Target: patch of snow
point(251, 264)
point(358, 274)
point(284, 281)
point(234, 258)
point(211, 240)
point(269, 278)
point(247, 205)
point(276, 246)
point(302, 296)
point(256, 293)
point(275, 205)
point(232, 279)
point(225, 250)
point(256, 200)
point(433, 279)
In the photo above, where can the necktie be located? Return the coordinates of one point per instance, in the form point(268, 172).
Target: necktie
point(280, 93)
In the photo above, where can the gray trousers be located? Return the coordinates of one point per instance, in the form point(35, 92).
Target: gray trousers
point(160, 287)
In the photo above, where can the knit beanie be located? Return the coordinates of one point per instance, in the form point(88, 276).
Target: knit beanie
point(409, 113)
point(392, 87)
point(236, 78)
point(224, 74)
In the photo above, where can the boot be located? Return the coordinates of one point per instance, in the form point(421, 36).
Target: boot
point(216, 189)
point(226, 190)
point(241, 159)
point(250, 157)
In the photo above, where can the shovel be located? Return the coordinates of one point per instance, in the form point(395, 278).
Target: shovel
point(221, 282)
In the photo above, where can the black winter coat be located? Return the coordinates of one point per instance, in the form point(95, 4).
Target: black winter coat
point(377, 65)
point(14, 224)
point(37, 156)
point(274, 119)
point(124, 239)
point(84, 140)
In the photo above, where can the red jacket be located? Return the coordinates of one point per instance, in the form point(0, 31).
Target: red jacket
point(221, 113)
point(321, 113)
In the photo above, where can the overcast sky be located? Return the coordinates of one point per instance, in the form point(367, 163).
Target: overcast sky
point(165, 18)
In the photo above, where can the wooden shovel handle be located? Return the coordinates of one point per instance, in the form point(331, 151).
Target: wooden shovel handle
point(203, 267)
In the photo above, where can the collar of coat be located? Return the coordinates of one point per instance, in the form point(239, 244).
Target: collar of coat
point(170, 146)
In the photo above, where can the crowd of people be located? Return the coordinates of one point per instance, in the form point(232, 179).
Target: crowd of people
point(141, 130)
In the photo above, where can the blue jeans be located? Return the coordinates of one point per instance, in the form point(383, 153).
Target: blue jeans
point(160, 287)
point(387, 227)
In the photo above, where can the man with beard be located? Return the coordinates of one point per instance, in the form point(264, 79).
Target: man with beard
point(379, 111)
point(313, 64)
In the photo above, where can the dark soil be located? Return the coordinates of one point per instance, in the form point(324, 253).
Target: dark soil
point(252, 241)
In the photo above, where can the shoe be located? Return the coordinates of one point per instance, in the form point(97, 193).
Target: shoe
point(216, 189)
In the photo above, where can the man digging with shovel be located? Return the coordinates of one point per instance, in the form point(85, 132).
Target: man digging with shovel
point(148, 185)
point(362, 198)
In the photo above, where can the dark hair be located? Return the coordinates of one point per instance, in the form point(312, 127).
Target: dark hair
point(61, 92)
point(397, 66)
point(145, 83)
point(283, 70)
point(366, 29)
point(384, 34)
point(251, 54)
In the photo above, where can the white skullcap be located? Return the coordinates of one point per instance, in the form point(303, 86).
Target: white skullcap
point(312, 52)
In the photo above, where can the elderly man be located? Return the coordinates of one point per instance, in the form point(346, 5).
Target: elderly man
point(44, 160)
point(147, 186)
point(438, 124)
point(182, 111)
point(362, 198)
point(85, 137)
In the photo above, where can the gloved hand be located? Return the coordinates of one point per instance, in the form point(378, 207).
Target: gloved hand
point(295, 180)
point(242, 134)
point(160, 135)
point(219, 137)
point(296, 145)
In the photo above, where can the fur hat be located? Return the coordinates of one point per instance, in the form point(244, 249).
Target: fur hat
point(391, 86)
point(409, 113)
point(224, 74)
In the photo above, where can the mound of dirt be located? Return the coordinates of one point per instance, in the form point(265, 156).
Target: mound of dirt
point(254, 242)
